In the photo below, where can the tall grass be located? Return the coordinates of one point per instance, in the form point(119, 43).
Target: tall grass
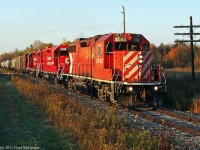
point(94, 128)
point(182, 92)
point(195, 107)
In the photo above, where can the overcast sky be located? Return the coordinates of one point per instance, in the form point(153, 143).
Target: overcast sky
point(25, 21)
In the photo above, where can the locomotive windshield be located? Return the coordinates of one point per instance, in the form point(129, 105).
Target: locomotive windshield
point(133, 46)
point(120, 46)
point(64, 53)
point(61, 53)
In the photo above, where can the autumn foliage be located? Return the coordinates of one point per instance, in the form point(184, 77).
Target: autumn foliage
point(173, 56)
point(179, 56)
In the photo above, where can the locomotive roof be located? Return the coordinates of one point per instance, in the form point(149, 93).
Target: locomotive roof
point(104, 37)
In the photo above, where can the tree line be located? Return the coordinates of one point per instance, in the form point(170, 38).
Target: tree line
point(29, 49)
point(168, 55)
point(175, 55)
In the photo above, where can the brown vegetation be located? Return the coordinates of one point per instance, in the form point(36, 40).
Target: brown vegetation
point(195, 107)
point(94, 128)
point(177, 55)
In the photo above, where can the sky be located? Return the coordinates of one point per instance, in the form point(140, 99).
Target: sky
point(50, 21)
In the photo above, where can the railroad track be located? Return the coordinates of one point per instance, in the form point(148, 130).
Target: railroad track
point(188, 116)
point(184, 122)
point(180, 121)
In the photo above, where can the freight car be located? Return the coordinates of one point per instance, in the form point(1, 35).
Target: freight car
point(19, 63)
point(5, 64)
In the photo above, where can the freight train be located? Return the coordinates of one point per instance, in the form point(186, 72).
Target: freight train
point(113, 67)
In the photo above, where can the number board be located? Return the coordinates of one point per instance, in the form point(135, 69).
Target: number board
point(136, 38)
point(120, 38)
point(63, 49)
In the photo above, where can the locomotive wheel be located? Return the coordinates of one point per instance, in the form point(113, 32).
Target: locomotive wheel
point(55, 81)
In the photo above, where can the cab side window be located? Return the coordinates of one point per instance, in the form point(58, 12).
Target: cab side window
point(145, 47)
point(108, 47)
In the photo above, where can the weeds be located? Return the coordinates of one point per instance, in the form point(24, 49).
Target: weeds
point(182, 92)
point(195, 107)
point(95, 128)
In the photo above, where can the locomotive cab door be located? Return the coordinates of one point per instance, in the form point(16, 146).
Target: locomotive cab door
point(118, 66)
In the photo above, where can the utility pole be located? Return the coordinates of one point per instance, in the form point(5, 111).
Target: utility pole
point(124, 18)
point(191, 34)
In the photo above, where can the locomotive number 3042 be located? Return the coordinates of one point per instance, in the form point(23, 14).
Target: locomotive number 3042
point(99, 61)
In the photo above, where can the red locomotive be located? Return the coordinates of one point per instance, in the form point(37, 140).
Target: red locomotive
point(114, 67)
point(118, 66)
point(49, 62)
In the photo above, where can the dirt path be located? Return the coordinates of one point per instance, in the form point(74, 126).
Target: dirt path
point(23, 126)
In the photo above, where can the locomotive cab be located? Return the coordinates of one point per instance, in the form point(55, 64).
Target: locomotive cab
point(134, 76)
point(140, 76)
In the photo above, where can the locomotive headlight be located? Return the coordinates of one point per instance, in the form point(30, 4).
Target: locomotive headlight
point(140, 56)
point(155, 88)
point(130, 89)
point(140, 61)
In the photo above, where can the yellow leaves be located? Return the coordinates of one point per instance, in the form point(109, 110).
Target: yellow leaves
point(179, 56)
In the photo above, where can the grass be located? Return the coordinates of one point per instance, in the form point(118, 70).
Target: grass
point(182, 92)
point(94, 128)
point(23, 124)
point(195, 107)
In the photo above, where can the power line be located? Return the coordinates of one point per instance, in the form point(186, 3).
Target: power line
point(191, 34)
point(163, 12)
point(53, 20)
point(39, 32)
